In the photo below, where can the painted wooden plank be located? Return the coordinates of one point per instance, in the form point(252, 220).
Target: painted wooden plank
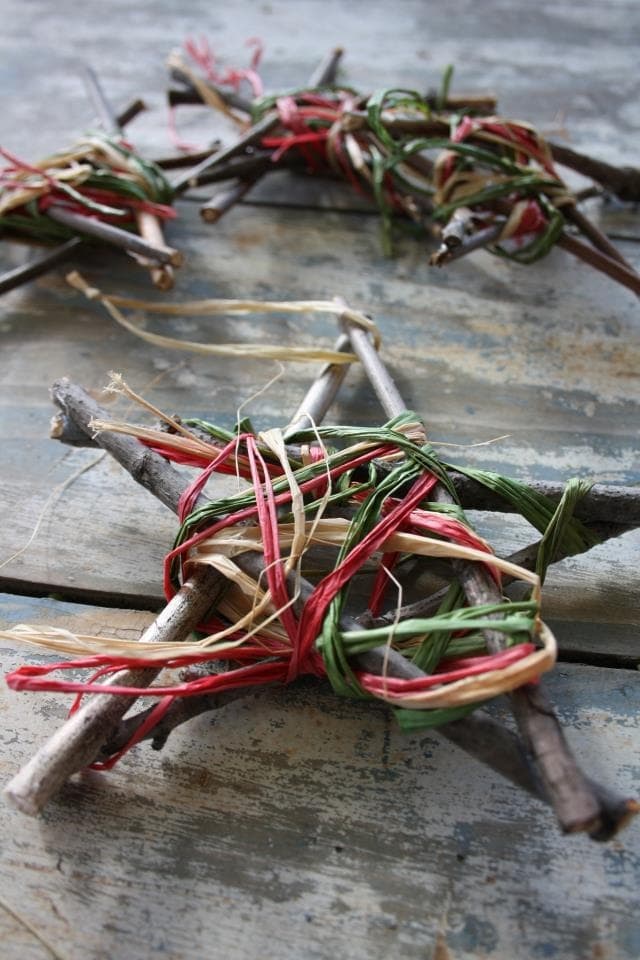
point(297, 823)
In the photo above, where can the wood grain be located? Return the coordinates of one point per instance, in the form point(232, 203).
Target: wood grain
point(299, 824)
point(281, 832)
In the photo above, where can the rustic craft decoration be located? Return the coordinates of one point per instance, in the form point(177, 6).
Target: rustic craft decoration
point(372, 499)
point(99, 188)
point(492, 183)
point(390, 497)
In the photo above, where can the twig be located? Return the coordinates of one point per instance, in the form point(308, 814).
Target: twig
point(624, 182)
point(475, 241)
point(574, 801)
point(244, 165)
point(458, 227)
point(613, 268)
point(603, 503)
point(252, 136)
point(111, 234)
point(595, 235)
point(325, 73)
point(177, 161)
point(130, 112)
point(39, 266)
point(221, 202)
point(479, 103)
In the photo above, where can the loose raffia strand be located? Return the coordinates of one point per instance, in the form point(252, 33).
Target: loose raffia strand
point(200, 308)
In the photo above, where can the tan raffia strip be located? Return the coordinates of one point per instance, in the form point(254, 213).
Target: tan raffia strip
point(196, 308)
point(218, 551)
point(65, 167)
point(209, 96)
point(484, 686)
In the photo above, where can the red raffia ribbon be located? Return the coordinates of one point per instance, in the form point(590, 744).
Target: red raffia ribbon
point(299, 655)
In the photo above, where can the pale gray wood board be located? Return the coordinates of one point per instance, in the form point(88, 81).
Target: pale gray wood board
point(296, 823)
point(438, 859)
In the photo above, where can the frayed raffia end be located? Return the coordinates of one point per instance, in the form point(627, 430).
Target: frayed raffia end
point(230, 308)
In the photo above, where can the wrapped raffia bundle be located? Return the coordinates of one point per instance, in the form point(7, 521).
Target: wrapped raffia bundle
point(251, 572)
point(97, 190)
point(102, 189)
point(445, 162)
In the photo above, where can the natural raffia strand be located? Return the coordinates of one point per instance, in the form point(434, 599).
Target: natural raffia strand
point(229, 308)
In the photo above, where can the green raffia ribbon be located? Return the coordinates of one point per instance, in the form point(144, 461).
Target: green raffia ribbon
point(424, 640)
point(387, 156)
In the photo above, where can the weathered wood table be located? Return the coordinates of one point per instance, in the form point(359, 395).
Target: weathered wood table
point(294, 823)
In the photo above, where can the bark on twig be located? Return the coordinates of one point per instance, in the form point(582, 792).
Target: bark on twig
point(41, 265)
point(577, 806)
point(225, 199)
point(613, 504)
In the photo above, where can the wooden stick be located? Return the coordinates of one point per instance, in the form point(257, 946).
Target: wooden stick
point(115, 236)
point(175, 162)
point(595, 235)
point(475, 241)
point(242, 166)
point(603, 503)
point(576, 806)
point(151, 230)
point(252, 136)
point(36, 268)
point(325, 73)
point(624, 182)
point(130, 112)
point(221, 202)
point(480, 103)
point(595, 258)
